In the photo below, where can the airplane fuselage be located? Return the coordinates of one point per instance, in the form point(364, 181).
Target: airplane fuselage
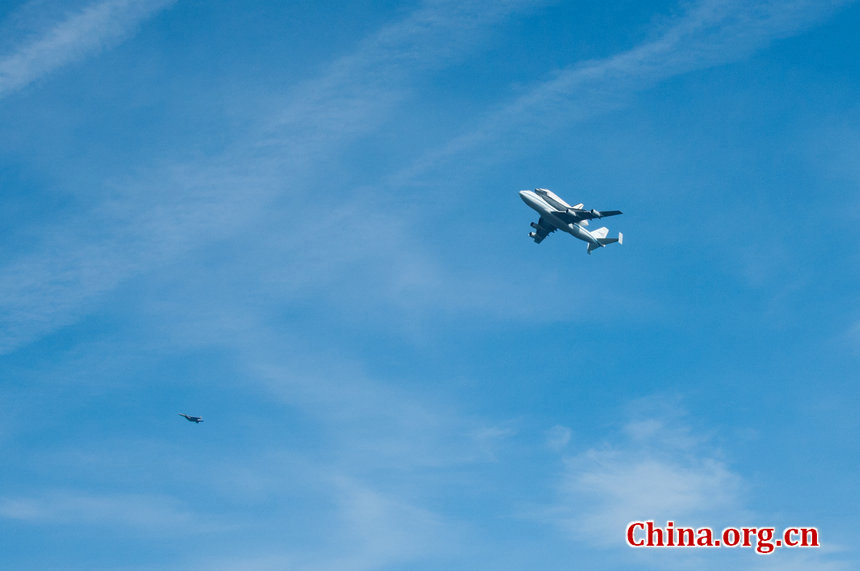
point(547, 212)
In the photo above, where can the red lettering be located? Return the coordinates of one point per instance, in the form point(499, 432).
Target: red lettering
point(732, 533)
point(706, 537)
point(631, 528)
point(652, 533)
point(809, 532)
point(763, 540)
point(686, 537)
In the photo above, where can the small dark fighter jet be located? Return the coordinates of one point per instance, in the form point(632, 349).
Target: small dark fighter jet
point(195, 419)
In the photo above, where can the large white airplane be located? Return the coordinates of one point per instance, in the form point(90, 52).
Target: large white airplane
point(556, 214)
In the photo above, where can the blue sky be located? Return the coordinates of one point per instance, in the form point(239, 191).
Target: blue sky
point(300, 220)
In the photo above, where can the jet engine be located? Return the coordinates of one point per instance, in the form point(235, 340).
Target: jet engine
point(532, 234)
point(533, 225)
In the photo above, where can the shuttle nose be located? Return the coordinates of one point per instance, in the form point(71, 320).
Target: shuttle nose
point(529, 198)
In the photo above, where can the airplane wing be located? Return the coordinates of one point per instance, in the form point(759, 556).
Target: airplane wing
point(542, 230)
point(578, 214)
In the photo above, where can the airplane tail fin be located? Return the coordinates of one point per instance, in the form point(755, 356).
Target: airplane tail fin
point(602, 240)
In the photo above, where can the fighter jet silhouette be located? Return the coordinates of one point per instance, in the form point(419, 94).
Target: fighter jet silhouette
point(195, 419)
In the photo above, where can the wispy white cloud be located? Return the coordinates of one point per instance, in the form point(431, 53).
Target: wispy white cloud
point(52, 285)
point(490, 439)
point(648, 474)
point(380, 530)
point(657, 466)
point(356, 90)
point(654, 467)
point(367, 529)
point(80, 508)
point(558, 437)
point(84, 32)
point(175, 209)
point(369, 423)
point(710, 33)
point(151, 218)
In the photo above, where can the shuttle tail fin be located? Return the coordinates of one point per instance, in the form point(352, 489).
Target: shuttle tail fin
point(603, 241)
point(600, 232)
